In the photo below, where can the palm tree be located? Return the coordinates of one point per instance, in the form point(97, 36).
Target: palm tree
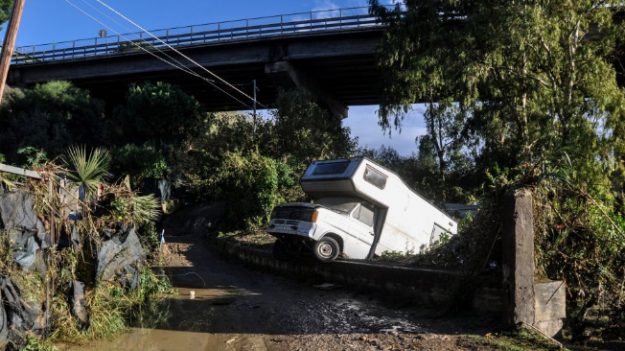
point(87, 169)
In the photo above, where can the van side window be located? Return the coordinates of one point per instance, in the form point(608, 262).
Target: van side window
point(375, 177)
point(364, 213)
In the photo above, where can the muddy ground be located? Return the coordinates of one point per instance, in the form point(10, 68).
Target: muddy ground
point(252, 310)
point(238, 308)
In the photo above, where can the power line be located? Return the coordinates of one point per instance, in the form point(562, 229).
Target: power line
point(178, 52)
point(99, 11)
point(103, 13)
point(81, 10)
point(179, 66)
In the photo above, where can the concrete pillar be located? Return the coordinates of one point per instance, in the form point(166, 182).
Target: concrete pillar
point(287, 75)
point(518, 256)
point(541, 305)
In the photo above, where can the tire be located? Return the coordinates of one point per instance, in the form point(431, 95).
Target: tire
point(281, 250)
point(327, 249)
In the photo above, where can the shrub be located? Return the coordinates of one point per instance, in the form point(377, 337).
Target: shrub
point(139, 162)
point(253, 185)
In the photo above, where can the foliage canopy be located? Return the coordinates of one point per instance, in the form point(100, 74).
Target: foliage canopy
point(528, 92)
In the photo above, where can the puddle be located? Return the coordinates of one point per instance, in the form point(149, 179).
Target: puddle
point(169, 340)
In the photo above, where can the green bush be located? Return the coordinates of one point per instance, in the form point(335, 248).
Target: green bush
point(50, 117)
point(139, 162)
point(159, 113)
point(252, 185)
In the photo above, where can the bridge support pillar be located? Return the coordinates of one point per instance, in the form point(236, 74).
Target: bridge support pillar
point(288, 76)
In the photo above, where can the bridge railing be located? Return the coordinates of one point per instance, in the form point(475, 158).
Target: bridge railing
point(244, 29)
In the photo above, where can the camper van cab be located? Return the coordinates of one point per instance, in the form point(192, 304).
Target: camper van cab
point(359, 210)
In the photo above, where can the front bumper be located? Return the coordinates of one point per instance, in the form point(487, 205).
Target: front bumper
point(290, 227)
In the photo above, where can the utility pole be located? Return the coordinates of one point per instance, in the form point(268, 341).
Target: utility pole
point(9, 43)
point(254, 108)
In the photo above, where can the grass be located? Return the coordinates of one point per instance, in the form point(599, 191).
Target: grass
point(113, 309)
point(252, 237)
point(33, 343)
point(520, 340)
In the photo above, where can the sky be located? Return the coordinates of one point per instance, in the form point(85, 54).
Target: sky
point(47, 21)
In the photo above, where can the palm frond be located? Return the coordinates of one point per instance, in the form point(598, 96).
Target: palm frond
point(145, 209)
point(87, 168)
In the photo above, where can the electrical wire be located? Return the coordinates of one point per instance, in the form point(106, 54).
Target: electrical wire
point(178, 52)
point(107, 15)
point(179, 66)
point(184, 69)
point(98, 10)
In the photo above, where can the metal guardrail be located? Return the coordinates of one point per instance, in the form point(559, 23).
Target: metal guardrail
point(250, 28)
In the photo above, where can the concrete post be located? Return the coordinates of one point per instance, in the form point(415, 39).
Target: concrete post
point(518, 256)
point(541, 305)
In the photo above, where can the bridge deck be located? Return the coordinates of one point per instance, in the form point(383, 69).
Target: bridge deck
point(197, 35)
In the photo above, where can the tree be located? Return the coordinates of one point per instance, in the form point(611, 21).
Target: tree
point(158, 112)
point(50, 117)
point(5, 10)
point(533, 88)
point(535, 79)
point(307, 131)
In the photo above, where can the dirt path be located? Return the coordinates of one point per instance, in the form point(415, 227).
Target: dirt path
point(236, 308)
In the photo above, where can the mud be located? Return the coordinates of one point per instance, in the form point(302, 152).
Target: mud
point(235, 308)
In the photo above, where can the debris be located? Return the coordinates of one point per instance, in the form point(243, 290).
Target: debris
point(26, 232)
point(21, 315)
point(4, 327)
point(79, 308)
point(121, 257)
point(231, 340)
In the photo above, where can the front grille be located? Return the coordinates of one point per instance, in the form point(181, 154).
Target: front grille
point(294, 213)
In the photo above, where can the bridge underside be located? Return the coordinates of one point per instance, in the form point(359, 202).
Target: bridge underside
point(338, 67)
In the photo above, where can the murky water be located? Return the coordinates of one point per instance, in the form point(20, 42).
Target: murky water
point(192, 337)
point(166, 340)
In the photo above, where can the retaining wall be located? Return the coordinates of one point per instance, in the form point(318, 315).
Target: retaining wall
point(433, 287)
point(514, 294)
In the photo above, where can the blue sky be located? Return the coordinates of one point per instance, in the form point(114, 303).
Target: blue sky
point(46, 21)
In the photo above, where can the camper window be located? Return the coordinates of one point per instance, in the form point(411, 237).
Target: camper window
point(364, 213)
point(375, 177)
point(331, 168)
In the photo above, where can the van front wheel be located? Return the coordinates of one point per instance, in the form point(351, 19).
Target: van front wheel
point(327, 249)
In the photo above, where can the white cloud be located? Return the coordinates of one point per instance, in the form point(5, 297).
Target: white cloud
point(325, 9)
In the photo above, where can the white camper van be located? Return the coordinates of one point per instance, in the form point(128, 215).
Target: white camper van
point(359, 209)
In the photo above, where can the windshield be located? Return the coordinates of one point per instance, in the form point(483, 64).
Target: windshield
point(340, 204)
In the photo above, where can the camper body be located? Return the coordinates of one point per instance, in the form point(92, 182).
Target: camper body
point(357, 205)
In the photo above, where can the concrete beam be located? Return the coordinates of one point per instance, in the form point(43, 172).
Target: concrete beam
point(288, 76)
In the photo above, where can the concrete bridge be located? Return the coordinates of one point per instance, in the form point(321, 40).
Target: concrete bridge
point(330, 53)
